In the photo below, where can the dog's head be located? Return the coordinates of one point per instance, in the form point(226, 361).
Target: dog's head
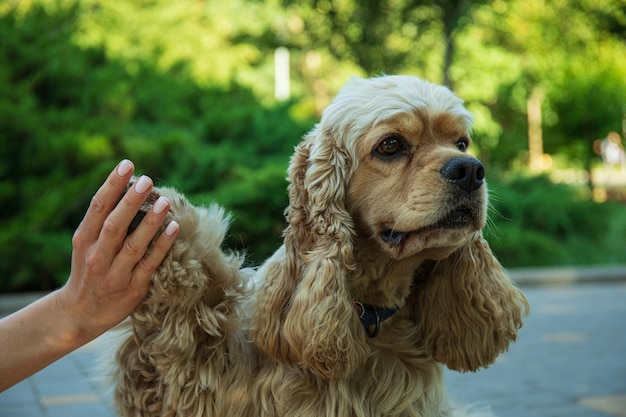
point(414, 188)
point(386, 172)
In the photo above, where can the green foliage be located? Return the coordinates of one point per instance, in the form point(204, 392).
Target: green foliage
point(257, 200)
point(536, 222)
point(570, 50)
point(68, 114)
point(184, 89)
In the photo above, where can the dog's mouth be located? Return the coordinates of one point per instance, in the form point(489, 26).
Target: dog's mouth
point(458, 218)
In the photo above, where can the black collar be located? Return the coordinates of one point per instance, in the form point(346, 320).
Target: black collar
point(373, 316)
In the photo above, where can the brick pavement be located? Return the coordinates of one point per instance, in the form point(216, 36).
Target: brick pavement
point(569, 361)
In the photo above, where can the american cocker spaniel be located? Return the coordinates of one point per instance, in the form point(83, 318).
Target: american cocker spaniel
point(383, 277)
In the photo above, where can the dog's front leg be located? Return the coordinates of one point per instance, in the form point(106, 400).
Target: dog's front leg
point(182, 330)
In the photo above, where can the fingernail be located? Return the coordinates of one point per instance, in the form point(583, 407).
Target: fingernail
point(142, 185)
point(124, 168)
point(171, 228)
point(160, 205)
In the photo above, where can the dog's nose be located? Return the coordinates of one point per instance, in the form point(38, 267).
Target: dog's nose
point(467, 173)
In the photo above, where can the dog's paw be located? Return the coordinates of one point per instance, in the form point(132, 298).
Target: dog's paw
point(196, 266)
point(145, 207)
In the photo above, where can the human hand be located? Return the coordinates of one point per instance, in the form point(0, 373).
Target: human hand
point(111, 271)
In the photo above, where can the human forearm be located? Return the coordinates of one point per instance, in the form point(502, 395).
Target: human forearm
point(34, 337)
point(110, 274)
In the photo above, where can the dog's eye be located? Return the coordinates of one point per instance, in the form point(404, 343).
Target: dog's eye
point(462, 144)
point(390, 146)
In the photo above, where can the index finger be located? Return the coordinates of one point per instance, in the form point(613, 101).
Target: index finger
point(105, 199)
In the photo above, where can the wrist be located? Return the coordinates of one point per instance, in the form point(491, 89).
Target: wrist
point(75, 329)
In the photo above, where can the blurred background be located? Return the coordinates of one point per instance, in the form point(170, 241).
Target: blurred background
point(210, 97)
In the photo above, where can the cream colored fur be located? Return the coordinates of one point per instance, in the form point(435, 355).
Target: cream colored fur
point(215, 339)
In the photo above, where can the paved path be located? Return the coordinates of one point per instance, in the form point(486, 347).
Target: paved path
point(570, 361)
point(64, 389)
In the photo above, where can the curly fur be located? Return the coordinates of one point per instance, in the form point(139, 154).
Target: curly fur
point(215, 339)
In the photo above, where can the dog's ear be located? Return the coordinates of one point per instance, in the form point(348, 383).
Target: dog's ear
point(467, 308)
point(304, 314)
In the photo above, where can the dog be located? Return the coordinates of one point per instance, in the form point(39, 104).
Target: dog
point(382, 279)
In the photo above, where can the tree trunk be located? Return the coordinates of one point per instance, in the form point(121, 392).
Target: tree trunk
point(447, 61)
point(535, 134)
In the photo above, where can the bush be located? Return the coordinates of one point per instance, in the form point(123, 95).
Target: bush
point(68, 115)
point(536, 222)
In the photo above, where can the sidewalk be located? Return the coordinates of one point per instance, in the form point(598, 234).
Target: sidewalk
point(63, 389)
point(569, 357)
point(567, 275)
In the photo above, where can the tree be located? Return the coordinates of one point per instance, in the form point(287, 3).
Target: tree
point(383, 35)
point(69, 112)
point(523, 55)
